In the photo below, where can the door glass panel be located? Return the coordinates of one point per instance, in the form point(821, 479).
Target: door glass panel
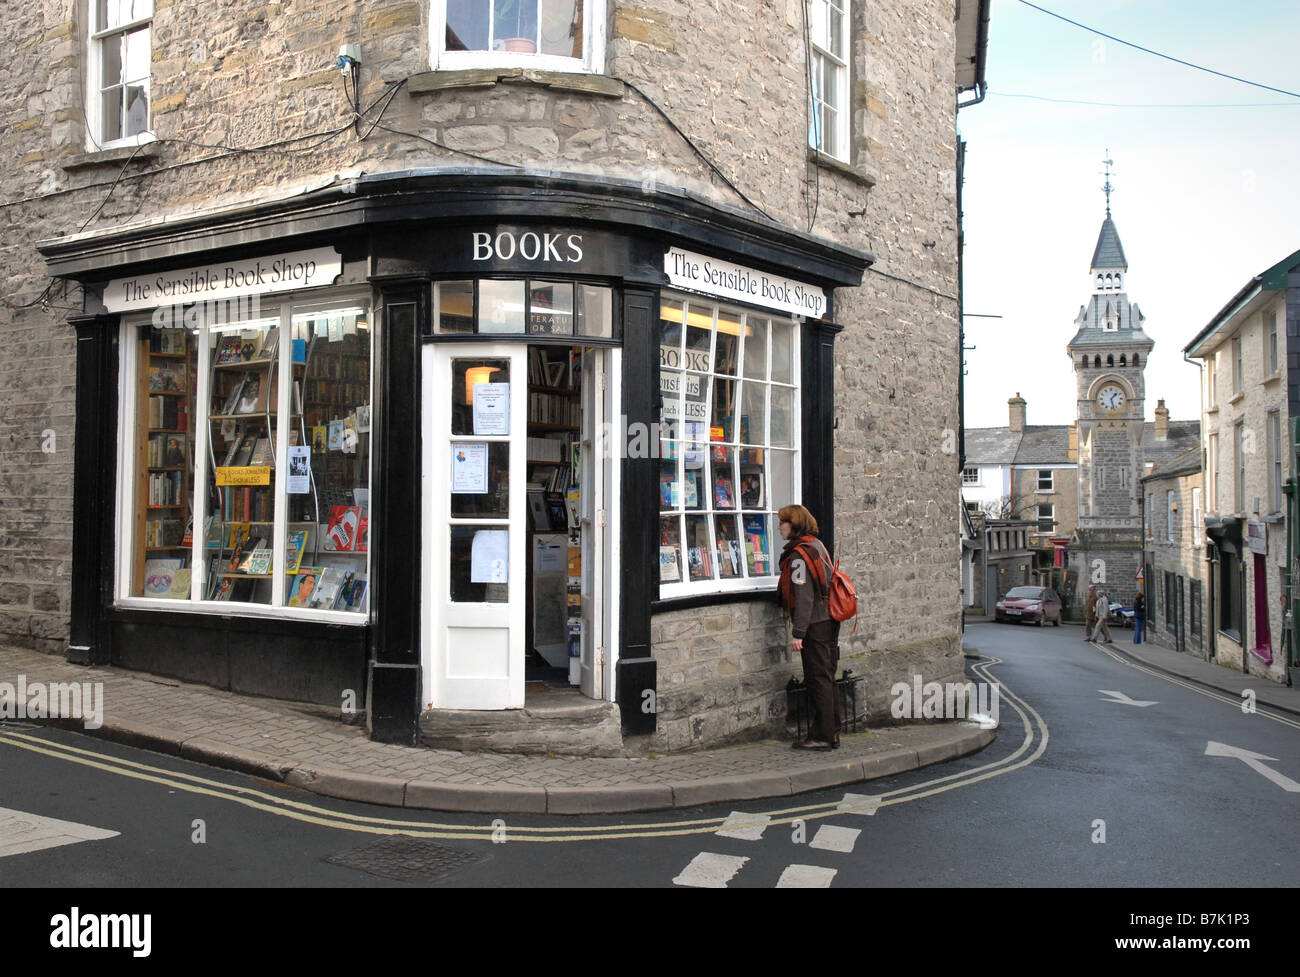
point(466, 376)
point(484, 469)
point(595, 311)
point(480, 568)
point(500, 306)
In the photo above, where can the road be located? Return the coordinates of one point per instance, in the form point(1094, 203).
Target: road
point(1103, 774)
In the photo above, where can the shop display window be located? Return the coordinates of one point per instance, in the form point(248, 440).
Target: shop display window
point(248, 469)
point(523, 307)
point(728, 444)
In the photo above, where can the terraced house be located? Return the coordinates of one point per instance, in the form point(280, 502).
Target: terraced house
point(447, 360)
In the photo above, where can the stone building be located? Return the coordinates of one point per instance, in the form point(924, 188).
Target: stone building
point(1116, 444)
point(375, 353)
point(1174, 549)
point(1250, 398)
point(1027, 473)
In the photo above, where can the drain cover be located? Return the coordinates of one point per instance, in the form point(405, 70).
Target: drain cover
point(406, 859)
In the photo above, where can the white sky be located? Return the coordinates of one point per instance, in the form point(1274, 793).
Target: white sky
point(1205, 198)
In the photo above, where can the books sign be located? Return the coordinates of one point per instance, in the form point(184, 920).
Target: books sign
point(249, 475)
point(700, 273)
point(246, 276)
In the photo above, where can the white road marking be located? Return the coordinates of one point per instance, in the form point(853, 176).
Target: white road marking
point(710, 871)
point(1253, 760)
point(21, 833)
point(830, 837)
point(864, 805)
point(1124, 700)
point(806, 877)
point(745, 827)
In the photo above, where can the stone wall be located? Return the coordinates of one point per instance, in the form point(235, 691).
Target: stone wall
point(248, 105)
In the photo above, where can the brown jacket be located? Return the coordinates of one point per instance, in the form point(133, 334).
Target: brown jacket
point(1089, 607)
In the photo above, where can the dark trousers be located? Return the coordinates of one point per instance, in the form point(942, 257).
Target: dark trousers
point(821, 656)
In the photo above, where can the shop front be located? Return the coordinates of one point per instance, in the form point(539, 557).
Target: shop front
point(426, 442)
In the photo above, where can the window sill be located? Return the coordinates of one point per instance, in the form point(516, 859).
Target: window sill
point(1235, 398)
point(687, 602)
point(115, 156)
point(863, 175)
point(428, 82)
point(1269, 381)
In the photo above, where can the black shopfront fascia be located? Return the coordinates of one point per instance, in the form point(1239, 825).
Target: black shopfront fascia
point(400, 233)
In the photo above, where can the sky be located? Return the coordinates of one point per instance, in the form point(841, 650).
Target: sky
point(1204, 198)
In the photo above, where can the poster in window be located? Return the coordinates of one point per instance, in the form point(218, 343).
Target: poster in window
point(489, 560)
point(299, 481)
point(491, 408)
point(469, 468)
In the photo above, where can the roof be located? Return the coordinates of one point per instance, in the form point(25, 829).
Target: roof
point(1272, 279)
point(991, 446)
point(1187, 463)
point(1047, 444)
point(1109, 253)
point(1184, 436)
point(972, 36)
point(1087, 336)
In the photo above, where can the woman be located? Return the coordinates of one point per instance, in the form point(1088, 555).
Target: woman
point(815, 632)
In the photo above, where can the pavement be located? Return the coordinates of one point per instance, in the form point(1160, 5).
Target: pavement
point(309, 747)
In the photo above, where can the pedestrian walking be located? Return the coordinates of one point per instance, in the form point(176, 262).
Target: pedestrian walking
point(815, 632)
point(1101, 607)
point(1089, 612)
point(1139, 615)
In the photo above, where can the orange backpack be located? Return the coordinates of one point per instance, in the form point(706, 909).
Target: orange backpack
point(841, 595)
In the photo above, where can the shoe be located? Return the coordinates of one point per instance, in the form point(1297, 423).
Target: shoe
point(812, 745)
point(835, 743)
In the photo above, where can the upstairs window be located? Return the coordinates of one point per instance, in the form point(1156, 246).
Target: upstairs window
point(119, 71)
point(1044, 480)
point(828, 28)
point(560, 35)
point(970, 476)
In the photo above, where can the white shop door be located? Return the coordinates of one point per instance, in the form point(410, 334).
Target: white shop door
point(475, 403)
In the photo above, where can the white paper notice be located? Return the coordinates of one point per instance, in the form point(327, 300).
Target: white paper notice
point(299, 469)
point(491, 408)
point(550, 557)
point(469, 468)
point(489, 557)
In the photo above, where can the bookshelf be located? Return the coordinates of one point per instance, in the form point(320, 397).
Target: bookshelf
point(163, 463)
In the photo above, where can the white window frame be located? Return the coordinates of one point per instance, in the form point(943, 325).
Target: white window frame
point(1239, 475)
point(96, 39)
point(1051, 480)
point(591, 62)
point(1211, 391)
point(1051, 514)
point(1237, 378)
point(1274, 461)
point(1171, 516)
point(1196, 517)
point(970, 475)
point(284, 307)
point(685, 587)
point(1270, 344)
point(1151, 515)
point(820, 43)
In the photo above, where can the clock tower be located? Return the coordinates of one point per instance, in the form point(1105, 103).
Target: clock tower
point(1109, 352)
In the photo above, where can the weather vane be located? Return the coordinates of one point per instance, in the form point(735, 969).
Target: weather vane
point(1107, 188)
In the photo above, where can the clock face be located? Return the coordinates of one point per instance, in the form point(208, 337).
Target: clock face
point(1110, 398)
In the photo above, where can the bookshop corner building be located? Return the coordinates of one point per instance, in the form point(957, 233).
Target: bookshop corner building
point(444, 443)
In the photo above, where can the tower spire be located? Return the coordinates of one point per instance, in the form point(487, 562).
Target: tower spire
point(1106, 187)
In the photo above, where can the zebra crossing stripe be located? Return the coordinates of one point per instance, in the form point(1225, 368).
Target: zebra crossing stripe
point(865, 805)
point(806, 877)
point(21, 833)
point(830, 837)
point(710, 871)
point(745, 827)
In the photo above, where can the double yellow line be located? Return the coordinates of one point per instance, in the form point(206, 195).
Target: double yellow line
point(1031, 747)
